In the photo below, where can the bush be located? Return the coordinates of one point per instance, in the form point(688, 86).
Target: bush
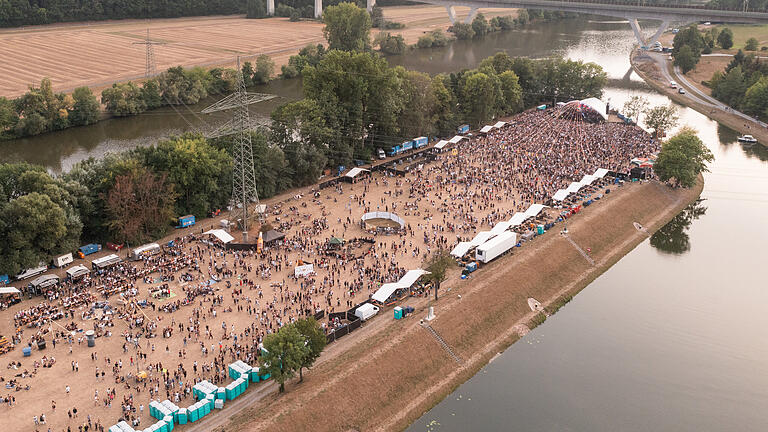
point(265, 68)
point(391, 25)
point(503, 23)
point(425, 41)
point(751, 44)
point(435, 38)
point(283, 10)
point(295, 16)
point(390, 44)
point(462, 31)
point(288, 71)
point(480, 25)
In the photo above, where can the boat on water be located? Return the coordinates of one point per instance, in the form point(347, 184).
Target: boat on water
point(747, 139)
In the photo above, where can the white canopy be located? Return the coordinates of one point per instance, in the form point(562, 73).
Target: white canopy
point(461, 249)
point(517, 219)
point(560, 195)
point(354, 172)
point(573, 187)
point(500, 124)
point(597, 105)
point(220, 234)
point(440, 144)
point(45, 281)
point(534, 210)
point(382, 294)
point(500, 227)
point(77, 271)
point(9, 290)
point(456, 139)
point(587, 180)
point(481, 238)
point(600, 173)
point(486, 129)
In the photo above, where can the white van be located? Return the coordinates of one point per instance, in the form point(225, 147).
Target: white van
point(61, 261)
point(366, 311)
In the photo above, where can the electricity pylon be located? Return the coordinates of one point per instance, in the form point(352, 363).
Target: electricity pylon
point(243, 174)
point(150, 70)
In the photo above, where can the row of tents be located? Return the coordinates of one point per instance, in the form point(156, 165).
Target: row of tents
point(500, 228)
point(575, 187)
point(384, 294)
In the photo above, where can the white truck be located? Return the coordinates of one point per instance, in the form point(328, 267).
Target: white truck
point(366, 311)
point(496, 246)
point(62, 261)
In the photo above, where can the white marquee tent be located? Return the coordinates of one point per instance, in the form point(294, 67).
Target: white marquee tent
point(456, 139)
point(386, 290)
point(517, 219)
point(354, 172)
point(480, 238)
point(534, 210)
point(461, 249)
point(560, 195)
point(220, 234)
point(600, 173)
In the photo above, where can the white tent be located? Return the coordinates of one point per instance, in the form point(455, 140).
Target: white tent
point(354, 172)
point(600, 173)
point(382, 294)
point(461, 249)
point(486, 129)
point(441, 144)
point(77, 271)
point(220, 234)
point(411, 277)
point(481, 238)
point(456, 139)
point(587, 180)
point(560, 195)
point(500, 124)
point(500, 228)
point(9, 290)
point(534, 210)
point(517, 219)
point(597, 105)
point(573, 187)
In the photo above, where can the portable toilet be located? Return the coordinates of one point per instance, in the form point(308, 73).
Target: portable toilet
point(540, 229)
point(27, 351)
point(181, 416)
point(168, 423)
point(192, 413)
point(209, 399)
point(218, 403)
point(398, 313)
point(221, 393)
point(230, 390)
point(255, 374)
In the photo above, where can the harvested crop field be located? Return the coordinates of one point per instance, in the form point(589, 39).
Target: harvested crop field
point(98, 54)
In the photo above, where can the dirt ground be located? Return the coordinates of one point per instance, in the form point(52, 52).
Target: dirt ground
point(101, 53)
point(705, 69)
point(403, 366)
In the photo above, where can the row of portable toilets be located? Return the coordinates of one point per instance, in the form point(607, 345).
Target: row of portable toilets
point(208, 396)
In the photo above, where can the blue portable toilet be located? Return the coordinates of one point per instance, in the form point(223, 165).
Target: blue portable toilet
point(27, 351)
point(209, 400)
point(221, 393)
point(181, 416)
point(169, 423)
point(398, 313)
point(255, 374)
point(4, 279)
point(192, 413)
point(540, 229)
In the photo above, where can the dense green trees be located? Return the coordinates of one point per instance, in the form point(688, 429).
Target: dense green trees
point(685, 59)
point(347, 27)
point(691, 38)
point(14, 13)
point(85, 109)
point(742, 85)
point(389, 43)
point(682, 158)
point(661, 118)
point(725, 38)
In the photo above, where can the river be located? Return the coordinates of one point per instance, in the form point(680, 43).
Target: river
point(669, 339)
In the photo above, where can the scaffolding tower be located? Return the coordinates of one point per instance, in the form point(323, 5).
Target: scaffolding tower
point(244, 191)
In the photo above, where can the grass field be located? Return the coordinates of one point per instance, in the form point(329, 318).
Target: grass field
point(742, 32)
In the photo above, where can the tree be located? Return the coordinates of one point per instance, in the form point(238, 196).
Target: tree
point(285, 354)
point(690, 36)
point(123, 99)
point(751, 44)
point(85, 109)
point(682, 158)
point(725, 38)
point(417, 117)
point(150, 94)
point(300, 130)
point(685, 59)
point(480, 25)
point(265, 68)
point(512, 94)
point(462, 31)
point(8, 117)
point(661, 118)
point(390, 44)
point(437, 265)
point(256, 9)
point(347, 27)
point(445, 105)
point(41, 110)
point(247, 71)
point(756, 98)
point(479, 97)
point(635, 106)
point(731, 88)
point(500, 62)
point(140, 206)
point(315, 341)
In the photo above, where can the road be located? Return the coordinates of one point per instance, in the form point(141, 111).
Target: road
point(694, 93)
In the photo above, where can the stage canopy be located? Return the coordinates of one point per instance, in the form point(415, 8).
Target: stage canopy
point(597, 105)
point(354, 172)
point(220, 234)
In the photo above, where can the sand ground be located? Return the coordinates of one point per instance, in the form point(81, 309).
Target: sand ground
point(100, 53)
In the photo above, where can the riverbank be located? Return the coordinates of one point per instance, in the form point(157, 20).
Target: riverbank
point(400, 370)
point(650, 72)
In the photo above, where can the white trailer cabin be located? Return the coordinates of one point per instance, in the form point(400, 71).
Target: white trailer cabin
point(491, 249)
point(61, 261)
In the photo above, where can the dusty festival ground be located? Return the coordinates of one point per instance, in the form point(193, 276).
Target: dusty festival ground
point(98, 54)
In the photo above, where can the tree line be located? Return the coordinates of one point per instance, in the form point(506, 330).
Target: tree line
point(354, 103)
point(16, 13)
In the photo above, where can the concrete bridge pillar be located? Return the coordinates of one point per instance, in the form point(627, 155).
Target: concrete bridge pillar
point(471, 16)
point(369, 4)
point(318, 8)
point(639, 33)
point(451, 14)
point(271, 7)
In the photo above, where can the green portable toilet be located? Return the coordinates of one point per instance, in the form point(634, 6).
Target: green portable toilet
point(398, 313)
point(540, 229)
point(255, 374)
point(169, 423)
point(181, 416)
point(221, 393)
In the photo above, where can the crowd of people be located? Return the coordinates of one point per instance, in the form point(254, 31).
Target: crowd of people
point(214, 305)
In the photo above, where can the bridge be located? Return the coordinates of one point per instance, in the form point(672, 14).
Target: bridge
point(666, 13)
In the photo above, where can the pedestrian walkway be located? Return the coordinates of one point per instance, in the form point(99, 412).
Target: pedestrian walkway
point(581, 251)
point(442, 342)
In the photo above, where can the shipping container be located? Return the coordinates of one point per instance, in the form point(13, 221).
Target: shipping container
point(61, 261)
point(420, 142)
point(90, 248)
point(408, 145)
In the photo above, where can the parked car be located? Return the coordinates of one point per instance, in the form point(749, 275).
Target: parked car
point(115, 247)
point(672, 84)
point(681, 90)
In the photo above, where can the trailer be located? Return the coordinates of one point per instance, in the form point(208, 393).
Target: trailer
point(186, 221)
point(105, 262)
point(366, 311)
point(28, 273)
point(463, 129)
point(408, 145)
point(89, 249)
point(396, 150)
point(496, 246)
point(145, 251)
point(420, 142)
point(61, 261)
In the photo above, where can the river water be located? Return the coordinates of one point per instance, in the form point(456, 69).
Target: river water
point(669, 339)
